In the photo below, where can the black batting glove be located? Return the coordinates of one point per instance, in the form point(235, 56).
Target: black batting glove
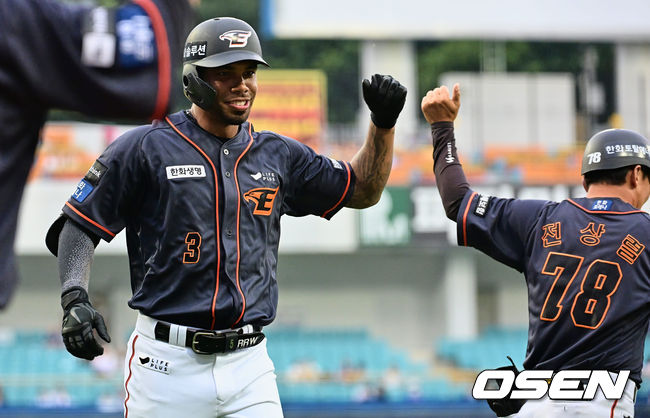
point(79, 319)
point(506, 406)
point(385, 98)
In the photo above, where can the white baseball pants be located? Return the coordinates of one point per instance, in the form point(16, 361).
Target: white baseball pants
point(163, 380)
point(596, 408)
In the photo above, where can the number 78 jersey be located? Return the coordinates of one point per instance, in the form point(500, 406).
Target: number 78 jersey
point(587, 270)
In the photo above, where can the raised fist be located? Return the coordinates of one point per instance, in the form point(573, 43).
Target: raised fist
point(385, 98)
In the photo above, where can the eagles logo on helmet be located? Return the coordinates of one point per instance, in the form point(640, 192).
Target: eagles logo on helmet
point(237, 38)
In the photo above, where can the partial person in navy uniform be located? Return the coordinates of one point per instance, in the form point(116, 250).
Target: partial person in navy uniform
point(201, 194)
point(103, 62)
point(585, 260)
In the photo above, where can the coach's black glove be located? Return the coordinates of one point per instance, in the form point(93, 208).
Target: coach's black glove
point(79, 319)
point(506, 406)
point(385, 98)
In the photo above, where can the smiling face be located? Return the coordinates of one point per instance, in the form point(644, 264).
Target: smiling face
point(236, 86)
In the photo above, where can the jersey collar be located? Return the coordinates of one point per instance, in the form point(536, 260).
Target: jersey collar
point(186, 123)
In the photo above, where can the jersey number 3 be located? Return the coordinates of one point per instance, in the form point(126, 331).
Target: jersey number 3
point(193, 253)
point(591, 304)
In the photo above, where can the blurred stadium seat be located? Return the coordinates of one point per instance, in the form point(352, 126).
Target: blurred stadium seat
point(37, 371)
point(351, 366)
point(487, 351)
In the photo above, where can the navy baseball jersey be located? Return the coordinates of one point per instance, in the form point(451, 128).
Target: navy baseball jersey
point(202, 216)
point(587, 271)
point(109, 63)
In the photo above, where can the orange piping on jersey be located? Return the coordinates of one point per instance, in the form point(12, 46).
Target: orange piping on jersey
point(347, 186)
point(611, 414)
point(89, 220)
point(126, 383)
point(216, 210)
point(164, 57)
point(469, 203)
point(609, 212)
point(243, 298)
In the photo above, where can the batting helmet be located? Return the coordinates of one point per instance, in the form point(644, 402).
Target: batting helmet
point(214, 43)
point(615, 148)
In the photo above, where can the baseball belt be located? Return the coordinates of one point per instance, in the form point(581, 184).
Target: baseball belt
point(208, 341)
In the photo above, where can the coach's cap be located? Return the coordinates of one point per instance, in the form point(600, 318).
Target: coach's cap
point(615, 148)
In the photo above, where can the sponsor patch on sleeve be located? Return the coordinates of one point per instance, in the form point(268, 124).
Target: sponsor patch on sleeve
point(82, 191)
point(136, 42)
point(602, 204)
point(95, 173)
point(98, 42)
point(482, 205)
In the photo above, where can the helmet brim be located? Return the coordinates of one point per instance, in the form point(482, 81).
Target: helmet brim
point(225, 58)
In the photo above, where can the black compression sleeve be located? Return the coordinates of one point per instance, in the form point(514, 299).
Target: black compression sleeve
point(450, 177)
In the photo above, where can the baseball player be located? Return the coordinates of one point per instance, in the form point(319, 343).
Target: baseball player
point(102, 62)
point(585, 260)
point(200, 194)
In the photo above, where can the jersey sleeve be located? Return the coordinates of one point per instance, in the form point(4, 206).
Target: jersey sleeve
point(318, 185)
point(109, 62)
point(497, 227)
point(108, 194)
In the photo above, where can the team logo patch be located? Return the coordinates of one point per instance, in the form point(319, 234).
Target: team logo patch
point(482, 205)
point(154, 364)
point(82, 191)
point(185, 171)
point(263, 199)
point(95, 173)
point(195, 50)
point(601, 204)
point(237, 38)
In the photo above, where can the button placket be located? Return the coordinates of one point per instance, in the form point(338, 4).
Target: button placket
point(227, 166)
point(226, 173)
